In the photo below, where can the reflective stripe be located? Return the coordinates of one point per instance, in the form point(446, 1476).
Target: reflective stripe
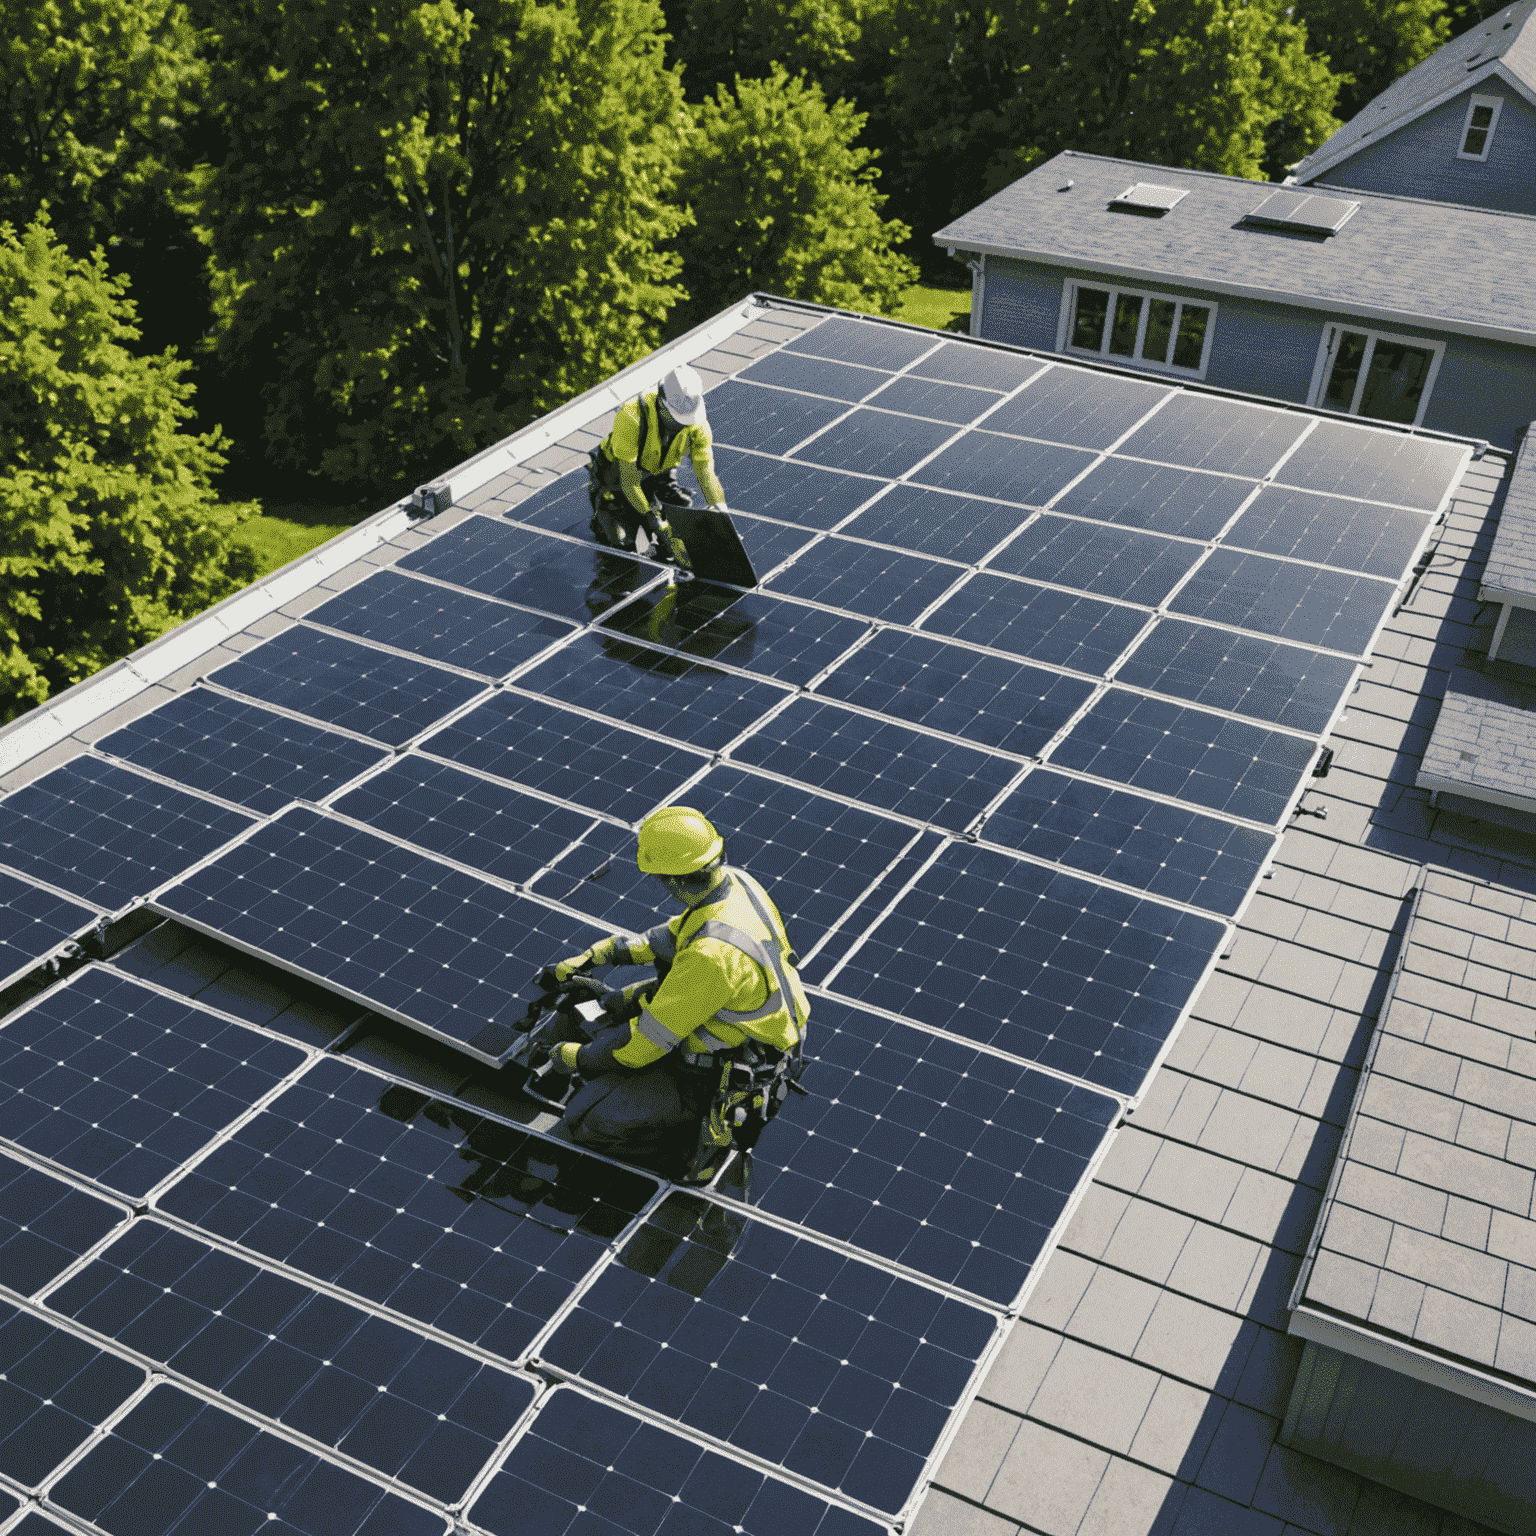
point(776, 958)
point(656, 1032)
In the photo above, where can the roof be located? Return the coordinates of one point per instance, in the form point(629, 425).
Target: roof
point(1387, 264)
point(1482, 742)
point(1511, 569)
point(1503, 48)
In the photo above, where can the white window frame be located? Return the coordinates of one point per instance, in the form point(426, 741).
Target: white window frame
point(1331, 333)
point(1136, 360)
point(1497, 103)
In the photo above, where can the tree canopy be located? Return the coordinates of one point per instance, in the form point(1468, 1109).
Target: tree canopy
point(1369, 43)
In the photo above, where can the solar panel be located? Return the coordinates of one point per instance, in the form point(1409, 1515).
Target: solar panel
point(877, 761)
point(788, 490)
point(926, 1152)
point(1399, 467)
point(1191, 504)
point(862, 578)
point(752, 630)
point(342, 683)
point(106, 834)
point(590, 762)
point(110, 1080)
point(1148, 197)
point(1201, 432)
point(1042, 623)
point(1303, 211)
point(982, 367)
point(1162, 849)
point(560, 506)
point(769, 420)
point(762, 1327)
point(769, 544)
point(1241, 673)
point(176, 1462)
point(874, 442)
point(1335, 609)
point(45, 1225)
point(857, 341)
point(989, 464)
point(1171, 749)
point(475, 1228)
point(957, 404)
point(405, 1405)
point(475, 633)
point(587, 1466)
point(936, 523)
point(1045, 965)
point(1072, 405)
point(55, 1390)
point(1000, 703)
point(1114, 562)
point(438, 949)
point(34, 924)
point(815, 376)
point(1328, 530)
point(240, 751)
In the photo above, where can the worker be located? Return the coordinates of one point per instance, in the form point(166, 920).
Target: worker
point(727, 980)
point(636, 464)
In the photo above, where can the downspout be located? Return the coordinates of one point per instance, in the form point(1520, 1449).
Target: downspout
point(978, 268)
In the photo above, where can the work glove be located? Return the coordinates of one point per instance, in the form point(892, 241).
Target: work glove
point(563, 1057)
point(555, 976)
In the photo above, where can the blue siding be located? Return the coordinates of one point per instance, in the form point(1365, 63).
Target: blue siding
point(1021, 303)
point(1485, 389)
point(1419, 160)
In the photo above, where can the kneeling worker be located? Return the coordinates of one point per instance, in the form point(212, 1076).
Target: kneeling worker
point(637, 463)
point(727, 980)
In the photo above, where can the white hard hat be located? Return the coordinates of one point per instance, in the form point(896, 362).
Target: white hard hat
point(683, 393)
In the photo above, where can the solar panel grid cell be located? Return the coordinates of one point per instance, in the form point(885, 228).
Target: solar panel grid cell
point(932, 522)
point(1346, 460)
point(560, 506)
point(862, 578)
point(790, 491)
point(1233, 438)
point(814, 376)
point(34, 923)
point(768, 420)
point(981, 367)
point(1069, 405)
point(45, 1225)
point(854, 341)
point(957, 404)
point(1328, 530)
point(876, 442)
point(1187, 503)
point(1121, 563)
point(1009, 469)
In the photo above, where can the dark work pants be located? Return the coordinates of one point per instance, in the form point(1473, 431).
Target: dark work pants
point(640, 1113)
point(614, 521)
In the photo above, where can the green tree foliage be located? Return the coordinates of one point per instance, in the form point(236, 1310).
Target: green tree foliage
point(110, 532)
point(784, 201)
point(434, 223)
point(1369, 43)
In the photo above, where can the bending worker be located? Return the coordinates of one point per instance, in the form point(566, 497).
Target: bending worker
point(727, 979)
point(637, 462)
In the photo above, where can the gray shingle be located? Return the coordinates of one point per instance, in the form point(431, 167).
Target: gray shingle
point(942, 1514)
point(1094, 1395)
point(1055, 1503)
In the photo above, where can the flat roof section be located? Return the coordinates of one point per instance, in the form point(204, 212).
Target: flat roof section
point(1510, 574)
point(1482, 744)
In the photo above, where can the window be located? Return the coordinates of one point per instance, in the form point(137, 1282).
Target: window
point(1372, 374)
point(1140, 327)
point(1477, 131)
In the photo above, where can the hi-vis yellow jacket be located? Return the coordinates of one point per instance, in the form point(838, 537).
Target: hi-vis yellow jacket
point(731, 979)
point(636, 441)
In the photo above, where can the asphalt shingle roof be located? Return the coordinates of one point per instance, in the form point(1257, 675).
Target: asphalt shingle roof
point(1483, 739)
point(1511, 564)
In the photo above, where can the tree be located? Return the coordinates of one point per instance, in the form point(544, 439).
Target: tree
point(1369, 43)
point(433, 223)
point(783, 201)
point(110, 532)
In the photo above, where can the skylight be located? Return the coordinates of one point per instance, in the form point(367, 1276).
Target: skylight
point(1304, 212)
point(1147, 197)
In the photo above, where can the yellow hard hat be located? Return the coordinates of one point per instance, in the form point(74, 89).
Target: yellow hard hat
point(677, 840)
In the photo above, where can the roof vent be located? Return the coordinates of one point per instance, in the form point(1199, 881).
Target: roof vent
point(1303, 212)
point(1148, 198)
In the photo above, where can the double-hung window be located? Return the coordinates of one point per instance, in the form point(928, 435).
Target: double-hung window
point(1477, 130)
point(1376, 375)
point(1154, 329)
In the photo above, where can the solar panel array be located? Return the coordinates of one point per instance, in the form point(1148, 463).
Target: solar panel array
point(1039, 661)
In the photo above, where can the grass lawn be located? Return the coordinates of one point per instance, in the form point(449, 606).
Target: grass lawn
point(945, 309)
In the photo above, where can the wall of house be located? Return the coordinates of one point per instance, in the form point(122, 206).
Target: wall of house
point(1419, 160)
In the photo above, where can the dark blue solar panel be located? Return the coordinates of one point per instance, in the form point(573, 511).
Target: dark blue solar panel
point(1349, 460)
point(439, 949)
point(343, 683)
point(879, 762)
point(574, 581)
point(123, 1085)
point(588, 761)
point(487, 825)
point(107, 834)
point(240, 751)
point(873, 442)
point(1171, 749)
point(175, 1462)
point(768, 543)
point(1188, 502)
point(758, 1326)
point(584, 1466)
point(862, 578)
point(1039, 622)
point(659, 690)
point(442, 625)
point(948, 688)
point(1044, 965)
point(1114, 562)
point(1163, 849)
point(408, 1406)
point(983, 367)
point(1241, 673)
point(478, 1229)
point(946, 1159)
point(1352, 535)
point(987, 464)
point(1335, 609)
point(790, 491)
point(770, 420)
point(560, 506)
point(34, 924)
point(815, 376)
point(864, 342)
point(936, 523)
point(1072, 405)
point(955, 403)
point(1201, 432)
point(751, 630)
point(45, 1225)
point(55, 1390)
